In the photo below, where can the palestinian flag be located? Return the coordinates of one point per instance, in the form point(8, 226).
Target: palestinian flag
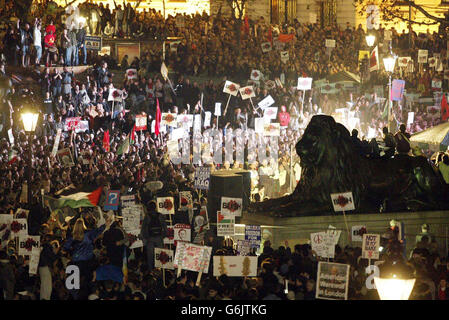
point(12, 156)
point(130, 140)
point(75, 200)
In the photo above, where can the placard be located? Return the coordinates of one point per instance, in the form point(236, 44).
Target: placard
point(422, 56)
point(357, 233)
point(169, 119)
point(404, 61)
point(231, 206)
point(192, 257)
point(163, 258)
point(128, 200)
point(217, 112)
point(201, 220)
point(253, 233)
point(284, 56)
point(330, 43)
point(141, 122)
point(342, 201)
point(270, 113)
point(34, 260)
point(131, 74)
point(93, 43)
point(72, 123)
point(185, 200)
point(169, 237)
point(11, 136)
point(243, 247)
point(319, 244)
point(225, 224)
point(65, 157)
point(266, 47)
point(19, 228)
point(56, 144)
point(235, 266)
point(247, 92)
point(165, 205)
point(185, 120)
point(397, 90)
point(370, 246)
point(5, 229)
point(266, 102)
point(304, 83)
point(182, 232)
point(231, 88)
point(272, 129)
point(112, 200)
point(332, 281)
point(258, 125)
point(131, 218)
point(255, 75)
point(27, 243)
point(202, 178)
point(134, 239)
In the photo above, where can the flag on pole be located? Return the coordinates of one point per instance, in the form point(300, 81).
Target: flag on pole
point(76, 200)
point(124, 147)
point(158, 119)
point(132, 139)
point(444, 108)
point(374, 60)
point(12, 156)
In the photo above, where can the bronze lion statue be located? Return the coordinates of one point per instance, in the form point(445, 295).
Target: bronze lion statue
point(331, 164)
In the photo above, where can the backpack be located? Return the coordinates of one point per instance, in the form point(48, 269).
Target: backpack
point(155, 226)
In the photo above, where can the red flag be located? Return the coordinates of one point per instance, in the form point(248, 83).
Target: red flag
point(158, 119)
point(444, 108)
point(374, 60)
point(133, 135)
point(286, 37)
point(246, 24)
point(106, 141)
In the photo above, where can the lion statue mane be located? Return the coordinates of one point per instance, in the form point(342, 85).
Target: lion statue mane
point(331, 163)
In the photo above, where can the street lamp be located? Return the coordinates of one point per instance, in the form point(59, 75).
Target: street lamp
point(394, 288)
point(29, 120)
point(389, 63)
point(370, 38)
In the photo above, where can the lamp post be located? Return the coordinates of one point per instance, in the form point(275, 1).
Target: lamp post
point(29, 120)
point(389, 64)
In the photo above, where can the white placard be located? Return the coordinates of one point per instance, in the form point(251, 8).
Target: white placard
point(225, 224)
point(165, 205)
point(231, 88)
point(231, 206)
point(270, 113)
point(330, 43)
point(163, 258)
point(131, 217)
point(134, 239)
point(356, 234)
point(266, 102)
point(217, 112)
point(304, 83)
point(370, 246)
point(235, 266)
point(343, 201)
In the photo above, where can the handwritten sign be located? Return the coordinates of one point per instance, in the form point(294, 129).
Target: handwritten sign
point(342, 201)
point(332, 281)
point(370, 246)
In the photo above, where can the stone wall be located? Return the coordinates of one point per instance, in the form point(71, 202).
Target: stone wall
point(297, 230)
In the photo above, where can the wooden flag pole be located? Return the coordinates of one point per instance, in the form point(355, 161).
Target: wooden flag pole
point(347, 228)
point(163, 277)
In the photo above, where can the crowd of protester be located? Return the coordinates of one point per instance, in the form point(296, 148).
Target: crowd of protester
point(96, 245)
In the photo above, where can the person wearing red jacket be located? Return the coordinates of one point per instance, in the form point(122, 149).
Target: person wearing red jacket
point(284, 117)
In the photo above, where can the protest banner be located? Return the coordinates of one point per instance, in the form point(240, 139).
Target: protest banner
point(185, 120)
point(332, 281)
point(304, 83)
point(357, 233)
point(134, 238)
point(253, 233)
point(235, 266)
point(207, 118)
point(397, 90)
point(65, 157)
point(225, 224)
point(115, 95)
point(422, 56)
point(131, 74)
point(370, 246)
point(165, 205)
point(34, 260)
point(19, 227)
point(342, 201)
point(272, 129)
point(185, 200)
point(432, 62)
point(5, 229)
point(247, 92)
point(112, 200)
point(333, 235)
point(197, 123)
point(141, 122)
point(163, 258)
point(131, 218)
point(270, 113)
point(83, 126)
point(182, 232)
point(72, 123)
point(169, 119)
point(27, 243)
point(266, 102)
point(128, 200)
point(217, 111)
point(231, 88)
point(202, 178)
point(330, 43)
point(243, 247)
point(231, 206)
point(11, 136)
point(192, 257)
